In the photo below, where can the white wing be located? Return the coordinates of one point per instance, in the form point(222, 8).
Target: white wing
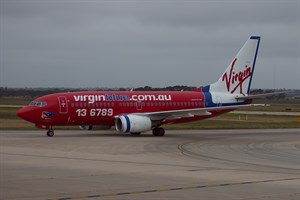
point(177, 114)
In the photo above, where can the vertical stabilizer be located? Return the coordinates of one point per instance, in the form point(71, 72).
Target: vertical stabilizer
point(238, 76)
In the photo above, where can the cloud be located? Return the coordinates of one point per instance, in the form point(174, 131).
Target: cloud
point(136, 43)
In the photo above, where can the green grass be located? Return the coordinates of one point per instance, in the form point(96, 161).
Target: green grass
point(15, 101)
point(276, 107)
point(235, 121)
point(8, 113)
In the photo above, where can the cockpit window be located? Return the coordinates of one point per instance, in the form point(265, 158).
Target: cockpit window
point(38, 103)
point(32, 103)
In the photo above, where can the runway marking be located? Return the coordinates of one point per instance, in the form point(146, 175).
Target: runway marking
point(94, 159)
point(188, 153)
point(173, 189)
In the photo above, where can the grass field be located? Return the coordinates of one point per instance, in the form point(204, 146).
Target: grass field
point(9, 120)
point(275, 107)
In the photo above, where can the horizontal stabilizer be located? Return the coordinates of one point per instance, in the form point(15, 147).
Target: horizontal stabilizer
point(260, 96)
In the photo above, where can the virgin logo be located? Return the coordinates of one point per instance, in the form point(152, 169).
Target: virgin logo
point(235, 79)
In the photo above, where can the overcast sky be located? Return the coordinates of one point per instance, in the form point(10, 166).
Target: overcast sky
point(90, 43)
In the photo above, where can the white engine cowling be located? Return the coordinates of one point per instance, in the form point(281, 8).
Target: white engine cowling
point(133, 123)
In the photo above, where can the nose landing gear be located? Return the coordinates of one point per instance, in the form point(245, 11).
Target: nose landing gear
point(50, 133)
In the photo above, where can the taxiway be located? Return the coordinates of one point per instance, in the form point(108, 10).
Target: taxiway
point(185, 164)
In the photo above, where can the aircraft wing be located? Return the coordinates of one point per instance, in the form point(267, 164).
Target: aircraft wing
point(177, 114)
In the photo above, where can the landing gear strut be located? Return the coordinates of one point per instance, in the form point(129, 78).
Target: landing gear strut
point(158, 131)
point(50, 133)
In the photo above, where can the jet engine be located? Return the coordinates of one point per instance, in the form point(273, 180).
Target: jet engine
point(133, 123)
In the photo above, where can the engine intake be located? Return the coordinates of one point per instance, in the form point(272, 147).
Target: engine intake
point(133, 123)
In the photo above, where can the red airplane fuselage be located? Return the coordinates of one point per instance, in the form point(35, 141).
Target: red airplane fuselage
point(99, 108)
point(137, 112)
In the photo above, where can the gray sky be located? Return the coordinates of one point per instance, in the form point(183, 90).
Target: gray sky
point(90, 43)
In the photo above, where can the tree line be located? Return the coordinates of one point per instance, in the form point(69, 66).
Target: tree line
point(37, 92)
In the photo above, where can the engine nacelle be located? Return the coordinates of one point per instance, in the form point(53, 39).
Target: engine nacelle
point(133, 123)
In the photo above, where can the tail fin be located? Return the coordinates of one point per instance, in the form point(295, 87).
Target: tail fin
point(238, 76)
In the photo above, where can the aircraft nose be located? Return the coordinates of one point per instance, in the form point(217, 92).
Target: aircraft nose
point(24, 113)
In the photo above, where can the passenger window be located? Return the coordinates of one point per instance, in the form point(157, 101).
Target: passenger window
point(112, 104)
point(72, 104)
point(76, 105)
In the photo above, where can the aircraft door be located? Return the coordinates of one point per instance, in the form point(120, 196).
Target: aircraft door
point(63, 105)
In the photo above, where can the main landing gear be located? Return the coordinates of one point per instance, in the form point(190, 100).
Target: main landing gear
point(158, 131)
point(50, 133)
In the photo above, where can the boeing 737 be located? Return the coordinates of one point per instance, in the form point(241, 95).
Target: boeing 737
point(136, 112)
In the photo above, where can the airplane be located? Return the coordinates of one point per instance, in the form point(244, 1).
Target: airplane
point(136, 112)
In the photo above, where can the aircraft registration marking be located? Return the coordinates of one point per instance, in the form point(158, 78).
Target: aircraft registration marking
point(95, 112)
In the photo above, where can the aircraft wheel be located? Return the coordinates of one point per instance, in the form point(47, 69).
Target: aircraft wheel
point(135, 133)
point(50, 133)
point(158, 131)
